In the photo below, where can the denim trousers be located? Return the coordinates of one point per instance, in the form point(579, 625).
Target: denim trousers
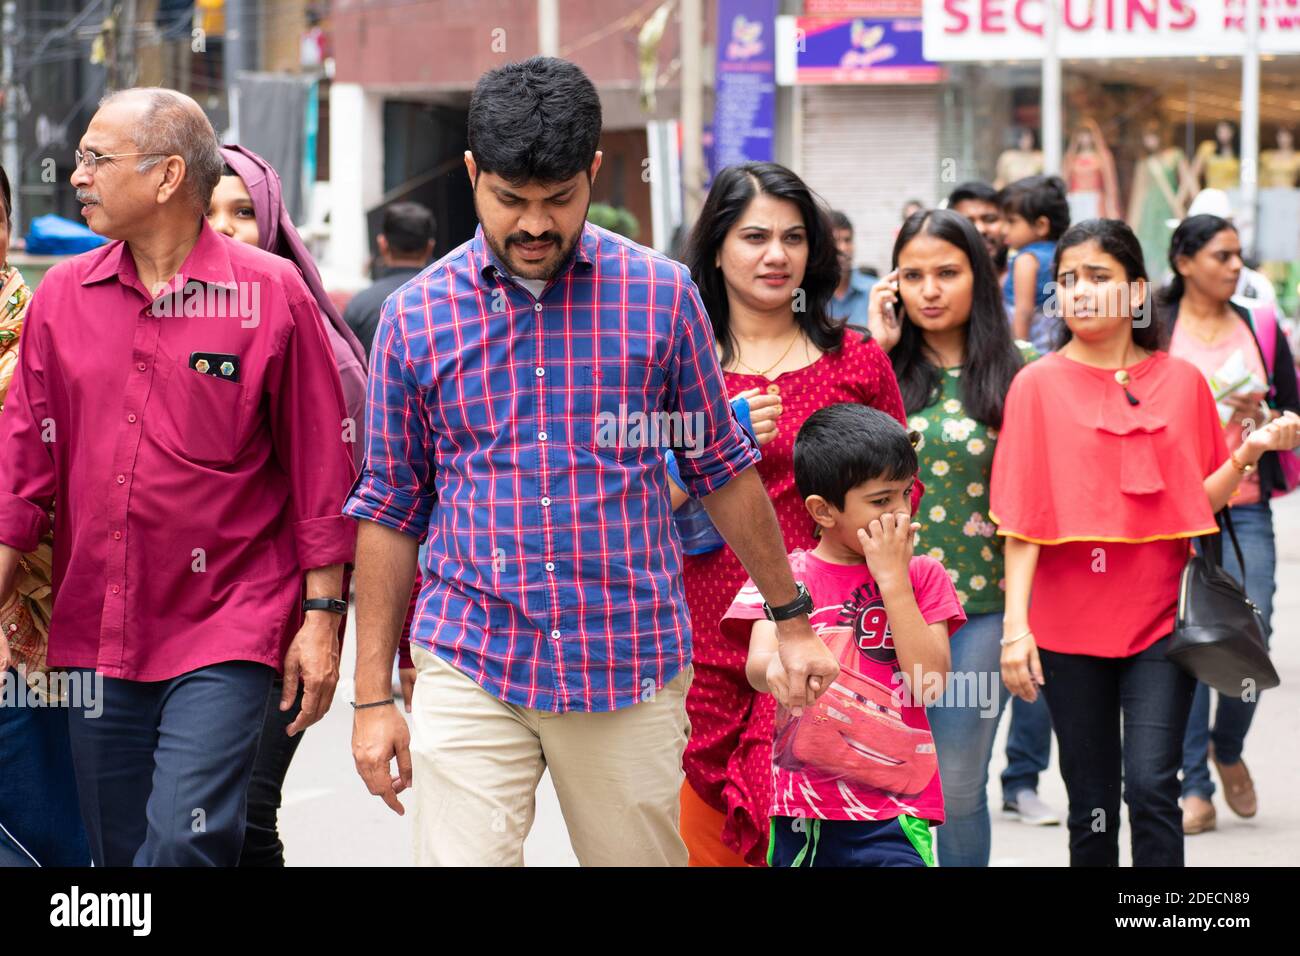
point(40, 819)
point(964, 725)
point(1254, 526)
point(1119, 725)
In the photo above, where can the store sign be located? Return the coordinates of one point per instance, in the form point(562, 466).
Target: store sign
point(862, 50)
point(744, 115)
point(1104, 29)
point(862, 8)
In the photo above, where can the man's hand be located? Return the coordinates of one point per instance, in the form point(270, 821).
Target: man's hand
point(888, 542)
point(809, 666)
point(313, 657)
point(407, 677)
point(380, 734)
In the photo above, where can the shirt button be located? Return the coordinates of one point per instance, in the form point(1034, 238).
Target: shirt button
point(550, 566)
point(541, 436)
point(121, 479)
point(546, 502)
point(555, 635)
point(774, 389)
point(131, 418)
point(537, 307)
point(117, 536)
point(140, 366)
point(116, 589)
point(540, 371)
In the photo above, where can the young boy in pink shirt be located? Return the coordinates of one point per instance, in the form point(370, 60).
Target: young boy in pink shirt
point(855, 775)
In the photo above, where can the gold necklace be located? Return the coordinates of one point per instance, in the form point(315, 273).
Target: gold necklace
point(763, 373)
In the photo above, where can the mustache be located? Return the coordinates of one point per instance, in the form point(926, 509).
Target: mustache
point(516, 238)
point(86, 196)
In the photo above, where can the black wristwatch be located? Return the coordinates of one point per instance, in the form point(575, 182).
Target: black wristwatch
point(802, 604)
point(333, 605)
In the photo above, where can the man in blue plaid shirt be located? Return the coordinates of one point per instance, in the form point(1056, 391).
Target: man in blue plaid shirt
point(524, 389)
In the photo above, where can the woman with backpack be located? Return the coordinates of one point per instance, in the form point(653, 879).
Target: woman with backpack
point(1230, 343)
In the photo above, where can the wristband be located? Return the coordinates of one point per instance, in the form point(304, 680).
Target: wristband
point(377, 703)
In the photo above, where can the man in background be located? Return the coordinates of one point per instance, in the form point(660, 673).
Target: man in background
point(849, 304)
point(405, 246)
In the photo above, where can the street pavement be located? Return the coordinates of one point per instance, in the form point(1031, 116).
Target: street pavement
point(329, 819)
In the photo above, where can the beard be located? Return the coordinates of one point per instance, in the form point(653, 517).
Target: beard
point(550, 266)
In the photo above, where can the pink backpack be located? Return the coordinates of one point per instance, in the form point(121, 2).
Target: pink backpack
point(1264, 319)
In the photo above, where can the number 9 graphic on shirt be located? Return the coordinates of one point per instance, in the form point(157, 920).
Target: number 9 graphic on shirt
point(871, 629)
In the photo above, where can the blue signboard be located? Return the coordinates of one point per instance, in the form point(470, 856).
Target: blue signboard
point(744, 114)
point(863, 50)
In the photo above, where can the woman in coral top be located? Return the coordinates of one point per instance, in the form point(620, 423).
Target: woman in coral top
point(1111, 458)
point(763, 256)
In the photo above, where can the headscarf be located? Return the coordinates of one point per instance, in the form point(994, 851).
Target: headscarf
point(276, 233)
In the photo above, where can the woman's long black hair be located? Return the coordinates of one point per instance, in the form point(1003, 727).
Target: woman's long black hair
point(1116, 239)
point(1192, 235)
point(992, 358)
point(732, 191)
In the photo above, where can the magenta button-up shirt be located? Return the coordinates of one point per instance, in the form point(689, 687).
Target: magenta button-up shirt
point(186, 505)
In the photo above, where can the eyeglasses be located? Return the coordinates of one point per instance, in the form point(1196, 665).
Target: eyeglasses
point(90, 160)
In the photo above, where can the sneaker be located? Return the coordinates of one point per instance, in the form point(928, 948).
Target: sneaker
point(1028, 807)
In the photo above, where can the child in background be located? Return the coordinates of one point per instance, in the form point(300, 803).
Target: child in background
point(1035, 213)
point(856, 778)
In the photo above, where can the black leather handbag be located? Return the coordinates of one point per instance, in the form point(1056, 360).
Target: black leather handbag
point(1219, 635)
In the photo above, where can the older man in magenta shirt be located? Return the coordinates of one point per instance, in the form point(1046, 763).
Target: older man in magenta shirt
point(177, 401)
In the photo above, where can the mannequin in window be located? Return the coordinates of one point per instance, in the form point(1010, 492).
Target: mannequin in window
point(1025, 159)
point(1279, 203)
point(1088, 169)
point(1218, 161)
point(1162, 178)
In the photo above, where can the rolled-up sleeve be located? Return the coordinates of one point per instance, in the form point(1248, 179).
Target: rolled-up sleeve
point(27, 430)
point(697, 390)
point(311, 434)
point(397, 473)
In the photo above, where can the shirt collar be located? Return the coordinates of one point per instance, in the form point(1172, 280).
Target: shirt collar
point(583, 256)
point(208, 261)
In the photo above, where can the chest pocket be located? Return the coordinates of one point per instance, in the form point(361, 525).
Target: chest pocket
point(619, 410)
point(203, 417)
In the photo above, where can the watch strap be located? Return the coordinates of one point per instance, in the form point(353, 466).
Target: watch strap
point(333, 605)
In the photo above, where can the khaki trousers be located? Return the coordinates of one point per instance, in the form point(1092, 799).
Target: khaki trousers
point(477, 760)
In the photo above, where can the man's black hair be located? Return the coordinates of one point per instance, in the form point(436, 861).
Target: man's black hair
point(840, 221)
point(537, 121)
point(974, 189)
point(408, 227)
point(842, 446)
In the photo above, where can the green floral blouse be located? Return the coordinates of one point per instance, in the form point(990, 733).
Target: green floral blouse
point(956, 458)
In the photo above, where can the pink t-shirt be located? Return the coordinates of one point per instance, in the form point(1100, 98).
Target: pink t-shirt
point(1209, 359)
point(864, 751)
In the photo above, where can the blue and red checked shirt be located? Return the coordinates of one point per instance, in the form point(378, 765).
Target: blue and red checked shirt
point(527, 436)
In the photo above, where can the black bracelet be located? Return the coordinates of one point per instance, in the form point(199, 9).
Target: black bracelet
point(378, 703)
point(333, 605)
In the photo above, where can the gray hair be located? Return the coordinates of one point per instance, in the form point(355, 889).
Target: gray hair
point(174, 125)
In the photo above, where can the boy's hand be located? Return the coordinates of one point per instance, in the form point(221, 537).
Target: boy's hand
point(887, 544)
point(778, 683)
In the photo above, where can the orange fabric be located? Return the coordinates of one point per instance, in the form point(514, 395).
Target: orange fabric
point(701, 829)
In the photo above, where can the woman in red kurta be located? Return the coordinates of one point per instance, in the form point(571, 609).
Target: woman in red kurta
point(764, 259)
point(1110, 459)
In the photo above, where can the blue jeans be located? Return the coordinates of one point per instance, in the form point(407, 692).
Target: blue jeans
point(40, 821)
point(964, 725)
point(1254, 527)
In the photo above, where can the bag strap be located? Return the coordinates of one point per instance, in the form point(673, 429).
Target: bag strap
point(1224, 518)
